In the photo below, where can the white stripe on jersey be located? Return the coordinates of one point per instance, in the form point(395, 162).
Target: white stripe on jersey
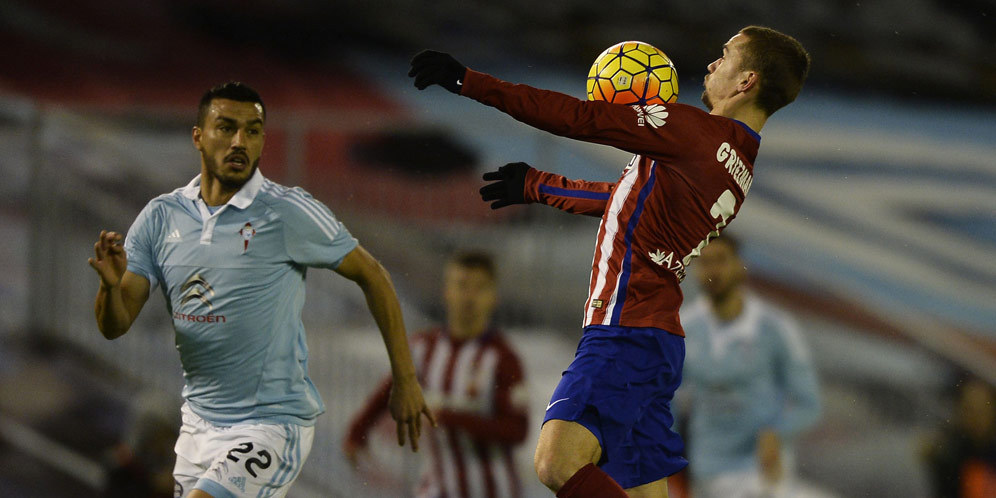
point(472, 466)
point(435, 371)
point(503, 476)
point(434, 380)
point(487, 368)
point(462, 374)
point(617, 201)
point(324, 220)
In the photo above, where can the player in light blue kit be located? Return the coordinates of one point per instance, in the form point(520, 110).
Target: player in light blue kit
point(750, 383)
point(229, 252)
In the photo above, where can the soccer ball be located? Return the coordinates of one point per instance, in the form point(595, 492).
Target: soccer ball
point(633, 72)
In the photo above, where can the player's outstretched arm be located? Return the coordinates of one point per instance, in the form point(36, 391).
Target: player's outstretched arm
point(406, 403)
point(519, 183)
point(122, 294)
point(622, 126)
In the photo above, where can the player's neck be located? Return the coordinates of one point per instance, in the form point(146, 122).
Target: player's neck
point(730, 306)
point(213, 191)
point(742, 111)
point(463, 332)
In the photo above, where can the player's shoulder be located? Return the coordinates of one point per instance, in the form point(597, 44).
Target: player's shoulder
point(163, 203)
point(769, 310)
point(429, 334)
point(293, 202)
point(276, 194)
point(774, 319)
point(496, 340)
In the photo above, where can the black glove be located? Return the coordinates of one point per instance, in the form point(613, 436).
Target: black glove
point(436, 68)
point(510, 185)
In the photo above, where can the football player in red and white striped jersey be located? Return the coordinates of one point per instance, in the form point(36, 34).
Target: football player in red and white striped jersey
point(607, 429)
point(473, 380)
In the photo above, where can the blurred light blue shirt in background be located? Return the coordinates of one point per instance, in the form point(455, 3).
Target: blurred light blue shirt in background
point(740, 377)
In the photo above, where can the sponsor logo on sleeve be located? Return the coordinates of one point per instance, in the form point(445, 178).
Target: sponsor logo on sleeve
point(653, 114)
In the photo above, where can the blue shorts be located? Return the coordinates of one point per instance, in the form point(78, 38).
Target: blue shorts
point(619, 387)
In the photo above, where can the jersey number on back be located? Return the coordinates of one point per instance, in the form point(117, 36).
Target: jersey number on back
point(722, 209)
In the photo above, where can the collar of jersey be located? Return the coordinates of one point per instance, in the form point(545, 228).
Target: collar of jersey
point(756, 135)
point(242, 199)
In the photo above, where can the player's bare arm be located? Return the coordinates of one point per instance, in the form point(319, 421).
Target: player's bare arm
point(122, 294)
point(406, 402)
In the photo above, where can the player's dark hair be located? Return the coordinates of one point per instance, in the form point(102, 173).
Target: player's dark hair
point(475, 260)
point(233, 90)
point(782, 63)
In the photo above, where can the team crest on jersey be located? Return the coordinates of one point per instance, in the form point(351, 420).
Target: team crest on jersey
point(247, 232)
point(653, 114)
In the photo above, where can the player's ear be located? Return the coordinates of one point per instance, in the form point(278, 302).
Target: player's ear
point(196, 137)
point(748, 80)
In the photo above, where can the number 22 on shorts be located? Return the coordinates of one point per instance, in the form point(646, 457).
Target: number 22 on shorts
point(263, 462)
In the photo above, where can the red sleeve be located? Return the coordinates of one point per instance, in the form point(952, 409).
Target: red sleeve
point(509, 422)
point(656, 130)
point(573, 196)
point(375, 407)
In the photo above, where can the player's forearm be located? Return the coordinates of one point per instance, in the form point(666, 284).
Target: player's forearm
point(572, 196)
point(555, 112)
point(113, 318)
point(383, 303)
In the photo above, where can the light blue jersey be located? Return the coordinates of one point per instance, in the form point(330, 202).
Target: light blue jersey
point(234, 286)
point(740, 377)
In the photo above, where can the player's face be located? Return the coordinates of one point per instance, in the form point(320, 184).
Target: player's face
point(720, 270)
point(231, 141)
point(725, 73)
point(470, 296)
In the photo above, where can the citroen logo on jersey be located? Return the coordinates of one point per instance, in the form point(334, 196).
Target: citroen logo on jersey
point(197, 289)
point(654, 114)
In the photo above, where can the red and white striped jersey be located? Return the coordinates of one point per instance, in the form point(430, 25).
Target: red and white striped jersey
point(476, 391)
point(689, 176)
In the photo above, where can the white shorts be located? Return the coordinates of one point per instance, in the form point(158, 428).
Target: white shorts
point(258, 460)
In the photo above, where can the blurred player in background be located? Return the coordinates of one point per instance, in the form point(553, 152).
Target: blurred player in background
point(961, 456)
point(230, 251)
point(474, 384)
point(749, 381)
point(608, 423)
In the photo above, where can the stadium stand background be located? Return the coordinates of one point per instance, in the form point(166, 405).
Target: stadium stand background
point(871, 217)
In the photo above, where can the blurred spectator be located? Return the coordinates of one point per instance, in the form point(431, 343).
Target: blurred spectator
point(142, 464)
point(961, 457)
point(473, 382)
point(748, 382)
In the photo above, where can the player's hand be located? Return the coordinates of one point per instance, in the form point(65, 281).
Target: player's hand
point(437, 68)
point(407, 406)
point(769, 455)
point(508, 187)
point(109, 259)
